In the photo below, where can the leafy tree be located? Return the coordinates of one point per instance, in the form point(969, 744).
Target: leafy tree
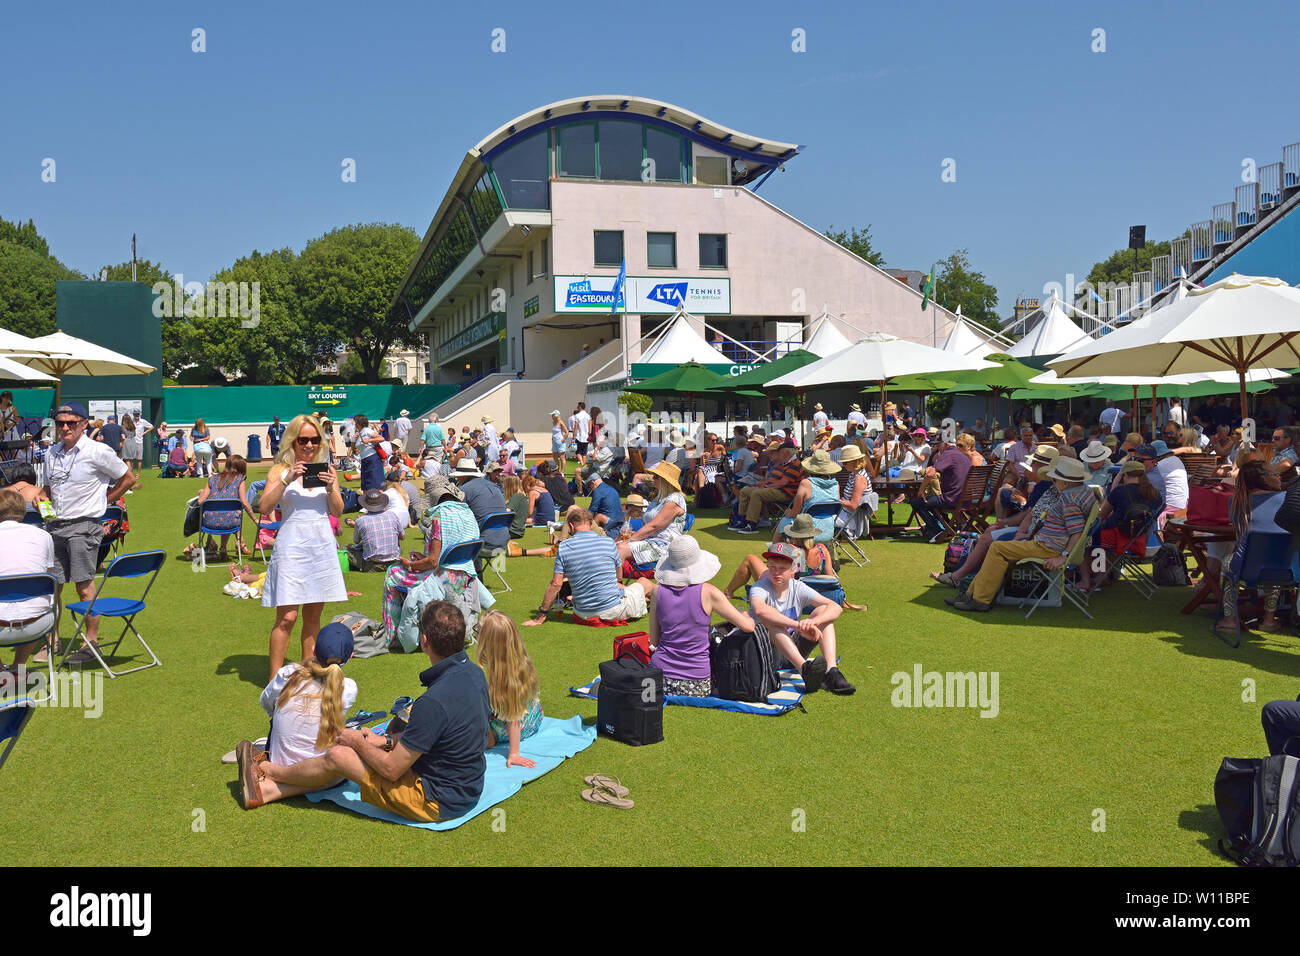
point(958, 284)
point(23, 235)
point(350, 369)
point(145, 271)
point(1118, 266)
point(346, 280)
point(27, 278)
point(858, 242)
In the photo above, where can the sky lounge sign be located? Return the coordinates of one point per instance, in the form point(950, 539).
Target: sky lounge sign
point(646, 295)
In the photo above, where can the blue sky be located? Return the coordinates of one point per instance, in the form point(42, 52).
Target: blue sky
point(1058, 149)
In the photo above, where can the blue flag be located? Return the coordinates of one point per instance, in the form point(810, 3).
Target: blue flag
point(618, 286)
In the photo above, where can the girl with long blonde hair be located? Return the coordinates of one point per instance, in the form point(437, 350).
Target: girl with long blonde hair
point(512, 685)
point(304, 569)
point(306, 703)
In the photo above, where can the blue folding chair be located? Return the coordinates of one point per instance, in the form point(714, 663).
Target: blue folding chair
point(463, 553)
point(33, 517)
point(634, 524)
point(495, 521)
point(25, 587)
point(137, 565)
point(211, 507)
point(109, 549)
point(14, 715)
point(1267, 559)
point(689, 522)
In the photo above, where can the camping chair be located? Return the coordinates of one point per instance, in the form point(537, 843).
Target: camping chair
point(114, 522)
point(1127, 566)
point(14, 715)
point(1268, 559)
point(995, 482)
point(22, 587)
point(848, 531)
point(137, 565)
point(1049, 581)
point(457, 553)
point(495, 522)
point(965, 514)
point(221, 507)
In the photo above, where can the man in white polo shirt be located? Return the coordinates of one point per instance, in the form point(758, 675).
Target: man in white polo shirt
point(77, 473)
point(401, 428)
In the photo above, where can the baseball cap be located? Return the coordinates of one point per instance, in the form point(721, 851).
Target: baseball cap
point(334, 644)
point(1145, 451)
point(71, 408)
point(781, 550)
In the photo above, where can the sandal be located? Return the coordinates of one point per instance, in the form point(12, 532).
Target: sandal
point(245, 549)
point(600, 795)
point(946, 577)
point(607, 782)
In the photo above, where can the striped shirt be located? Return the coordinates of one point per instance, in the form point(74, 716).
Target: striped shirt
point(379, 535)
point(786, 477)
point(455, 525)
point(591, 564)
point(1066, 517)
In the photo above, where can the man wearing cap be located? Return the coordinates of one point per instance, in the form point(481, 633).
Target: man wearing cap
point(434, 768)
point(1167, 475)
point(1011, 496)
point(820, 418)
point(592, 564)
point(783, 476)
point(606, 508)
point(77, 471)
point(1052, 540)
point(377, 538)
point(1096, 457)
point(274, 432)
point(484, 498)
point(951, 466)
point(856, 417)
point(778, 601)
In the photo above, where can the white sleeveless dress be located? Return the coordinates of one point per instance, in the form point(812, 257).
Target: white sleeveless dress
point(304, 566)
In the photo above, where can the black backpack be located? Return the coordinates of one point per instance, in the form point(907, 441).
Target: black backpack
point(1169, 567)
point(743, 665)
point(630, 701)
point(710, 496)
point(1134, 519)
point(1258, 802)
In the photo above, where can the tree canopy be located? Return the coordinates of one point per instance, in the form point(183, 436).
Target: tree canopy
point(27, 276)
point(958, 284)
point(857, 241)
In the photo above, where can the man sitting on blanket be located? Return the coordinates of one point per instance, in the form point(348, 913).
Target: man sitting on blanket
point(778, 601)
point(433, 769)
point(591, 563)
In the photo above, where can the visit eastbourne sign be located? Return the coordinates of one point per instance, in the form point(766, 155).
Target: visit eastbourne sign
point(646, 295)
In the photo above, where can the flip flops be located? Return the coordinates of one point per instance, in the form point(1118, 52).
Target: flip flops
point(608, 790)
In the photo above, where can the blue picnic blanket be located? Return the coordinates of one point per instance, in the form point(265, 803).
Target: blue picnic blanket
point(555, 741)
point(785, 699)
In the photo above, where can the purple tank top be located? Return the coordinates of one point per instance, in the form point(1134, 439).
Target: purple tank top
point(683, 652)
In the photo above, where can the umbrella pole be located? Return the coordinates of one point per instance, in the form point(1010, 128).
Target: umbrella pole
point(1153, 411)
point(1137, 422)
point(1241, 379)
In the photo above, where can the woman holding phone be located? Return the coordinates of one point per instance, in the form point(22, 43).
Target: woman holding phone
point(304, 569)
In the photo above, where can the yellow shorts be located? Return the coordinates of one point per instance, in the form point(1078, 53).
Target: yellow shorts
point(403, 796)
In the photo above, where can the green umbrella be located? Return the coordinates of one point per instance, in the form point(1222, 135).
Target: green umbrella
point(690, 378)
point(1200, 389)
point(1010, 375)
point(764, 373)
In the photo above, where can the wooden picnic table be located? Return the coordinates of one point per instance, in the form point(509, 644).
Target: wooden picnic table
point(887, 488)
point(1193, 538)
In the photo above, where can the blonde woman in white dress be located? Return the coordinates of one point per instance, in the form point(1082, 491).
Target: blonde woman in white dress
point(304, 569)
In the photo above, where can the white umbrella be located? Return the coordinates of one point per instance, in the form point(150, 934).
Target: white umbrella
point(68, 355)
point(11, 343)
point(9, 369)
point(1239, 323)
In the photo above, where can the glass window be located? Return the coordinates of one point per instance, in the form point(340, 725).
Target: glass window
point(578, 150)
point(523, 171)
point(711, 170)
point(713, 250)
point(483, 203)
point(609, 248)
point(661, 249)
point(666, 151)
point(620, 150)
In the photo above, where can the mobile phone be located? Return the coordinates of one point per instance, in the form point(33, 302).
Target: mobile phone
point(312, 472)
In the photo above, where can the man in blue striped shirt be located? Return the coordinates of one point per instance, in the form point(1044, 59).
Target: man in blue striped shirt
point(590, 561)
point(377, 540)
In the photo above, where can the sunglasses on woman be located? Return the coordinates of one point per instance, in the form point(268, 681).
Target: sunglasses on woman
point(308, 441)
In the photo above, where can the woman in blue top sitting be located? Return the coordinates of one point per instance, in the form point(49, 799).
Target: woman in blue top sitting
point(818, 487)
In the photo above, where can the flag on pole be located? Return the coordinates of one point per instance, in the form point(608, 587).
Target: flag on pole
point(618, 285)
point(927, 289)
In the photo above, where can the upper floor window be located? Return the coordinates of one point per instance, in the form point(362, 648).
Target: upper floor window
point(713, 250)
point(609, 248)
point(661, 250)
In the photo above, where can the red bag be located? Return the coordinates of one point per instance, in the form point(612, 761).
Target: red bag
point(637, 644)
point(1208, 504)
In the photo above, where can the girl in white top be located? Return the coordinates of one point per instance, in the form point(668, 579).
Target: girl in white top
point(306, 702)
point(304, 569)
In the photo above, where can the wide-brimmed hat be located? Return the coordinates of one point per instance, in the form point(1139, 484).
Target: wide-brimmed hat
point(774, 444)
point(820, 462)
point(404, 412)
point(635, 501)
point(676, 438)
point(1045, 455)
point(855, 407)
point(918, 431)
point(669, 473)
point(801, 527)
point(850, 453)
point(1057, 430)
point(486, 419)
point(1095, 451)
point(1144, 451)
point(466, 468)
point(492, 466)
point(1132, 467)
point(374, 500)
point(686, 564)
point(817, 407)
point(1067, 469)
point(826, 431)
point(1110, 441)
point(755, 440)
point(1159, 449)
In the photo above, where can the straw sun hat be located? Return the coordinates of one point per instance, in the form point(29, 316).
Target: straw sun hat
point(669, 473)
point(820, 463)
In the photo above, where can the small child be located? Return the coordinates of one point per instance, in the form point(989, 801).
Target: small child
point(512, 685)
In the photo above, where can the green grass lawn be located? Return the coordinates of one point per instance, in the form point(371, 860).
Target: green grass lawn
point(1129, 714)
